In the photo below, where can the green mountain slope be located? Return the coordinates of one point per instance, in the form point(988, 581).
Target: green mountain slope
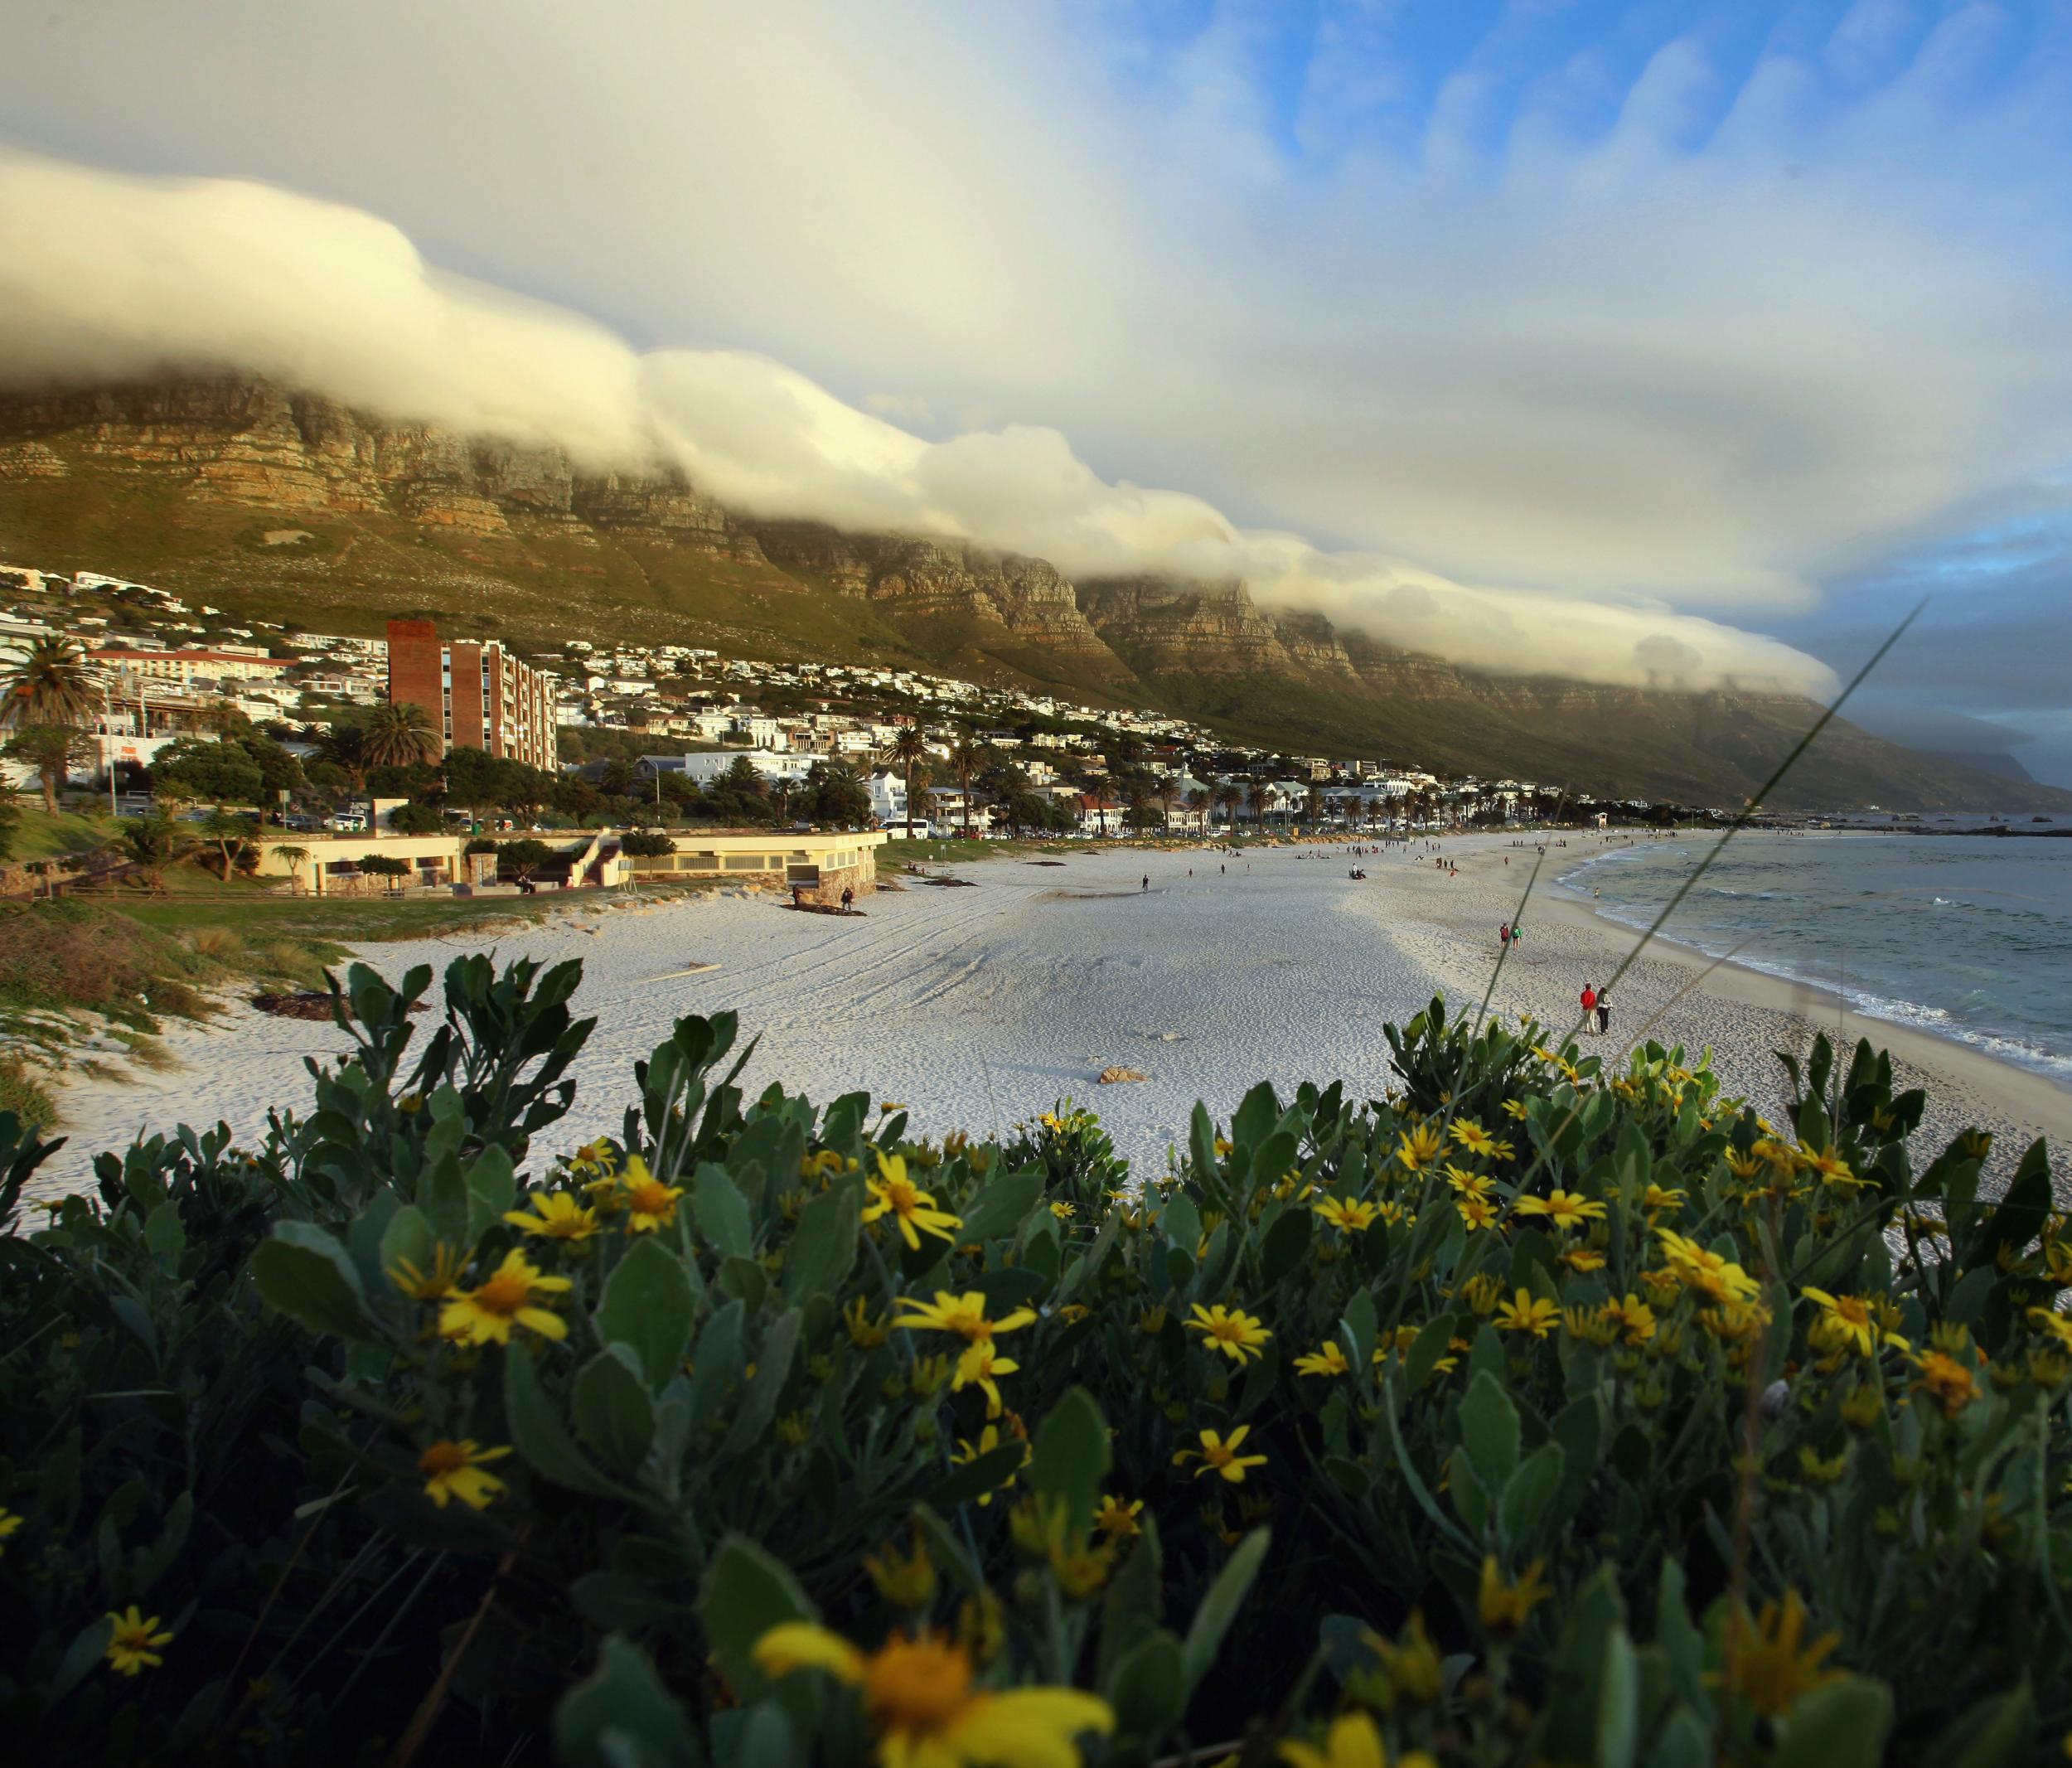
point(286, 505)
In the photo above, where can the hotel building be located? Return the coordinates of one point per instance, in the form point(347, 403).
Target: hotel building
point(482, 696)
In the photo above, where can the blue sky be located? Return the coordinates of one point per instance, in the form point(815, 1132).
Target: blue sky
point(1539, 329)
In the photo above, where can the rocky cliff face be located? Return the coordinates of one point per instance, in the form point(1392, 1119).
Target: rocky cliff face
point(1025, 598)
point(1213, 629)
point(251, 442)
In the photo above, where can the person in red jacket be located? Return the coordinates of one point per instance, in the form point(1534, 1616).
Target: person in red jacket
point(1590, 1004)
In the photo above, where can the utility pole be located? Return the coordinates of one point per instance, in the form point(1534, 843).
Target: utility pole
point(108, 755)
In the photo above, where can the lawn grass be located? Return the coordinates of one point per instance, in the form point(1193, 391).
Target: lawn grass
point(40, 835)
point(328, 925)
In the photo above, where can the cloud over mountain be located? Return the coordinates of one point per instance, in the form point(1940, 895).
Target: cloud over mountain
point(104, 276)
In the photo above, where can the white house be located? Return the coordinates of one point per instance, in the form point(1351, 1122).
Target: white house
point(888, 799)
point(714, 764)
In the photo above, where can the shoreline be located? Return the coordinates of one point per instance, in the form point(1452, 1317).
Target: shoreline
point(2023, 1087)
point(2016, 1092)
point(1765, 1010)
point(983, 1006)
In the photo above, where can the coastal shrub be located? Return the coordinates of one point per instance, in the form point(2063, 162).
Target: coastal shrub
point(218, 942)
point(1538, 1412)
point(62, 953)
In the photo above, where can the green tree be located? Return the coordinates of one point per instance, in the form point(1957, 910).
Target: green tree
point(646, 844)
point(51, 750)
point(477, 779)
point(344, 747)
point(228, 832)
point(836, 796)
point(910, 750)
point(740, 794)
point(151, 844)
point(10, 826)
point(294, 859)
point(522, 858)
point(216, 773)
point(398, 734)
point(384, 866)
point(416, 819)
point(966, 756)
point(53, 684)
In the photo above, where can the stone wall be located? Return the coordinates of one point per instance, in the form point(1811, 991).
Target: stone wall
point(862, 878)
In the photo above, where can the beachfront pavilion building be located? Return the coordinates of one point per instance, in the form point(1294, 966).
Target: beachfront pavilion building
point(816, 868)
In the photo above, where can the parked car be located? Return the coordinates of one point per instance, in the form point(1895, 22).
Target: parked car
point(346, 823)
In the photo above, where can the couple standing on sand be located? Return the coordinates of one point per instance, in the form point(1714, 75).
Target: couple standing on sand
point(1598, 1000)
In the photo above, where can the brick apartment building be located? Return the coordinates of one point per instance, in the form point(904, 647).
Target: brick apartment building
point(482, 696)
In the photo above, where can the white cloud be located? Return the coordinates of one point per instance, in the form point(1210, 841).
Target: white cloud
point(108, 277)
point(1636, 338)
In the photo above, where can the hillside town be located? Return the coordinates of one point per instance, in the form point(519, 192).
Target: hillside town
point(883, 747)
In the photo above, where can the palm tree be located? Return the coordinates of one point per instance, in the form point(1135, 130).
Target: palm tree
point(345, 746)
point(966, 759)
point(397, 734)
point(294, 859)
point(1313, 808)
point(910, 749)
point(52, 684)
point(1258, 798)
point(1198, 807)
point(1165, 791)
point(152, 844)
point(1227, 798)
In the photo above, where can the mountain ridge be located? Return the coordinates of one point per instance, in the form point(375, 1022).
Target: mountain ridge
point(267, 498)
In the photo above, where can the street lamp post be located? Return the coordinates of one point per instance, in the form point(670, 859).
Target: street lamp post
point(108, 755)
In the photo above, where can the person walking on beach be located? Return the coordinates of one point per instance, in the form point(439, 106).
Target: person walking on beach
point(848, 900)
point(1590, 1002)
point(1604, 1010)
point(1147, 880)
point(1503, 938)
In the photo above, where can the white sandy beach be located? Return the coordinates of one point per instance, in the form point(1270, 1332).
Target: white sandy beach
point(981, 1007)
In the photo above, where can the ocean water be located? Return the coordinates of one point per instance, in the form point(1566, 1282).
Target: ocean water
point(1969, 938)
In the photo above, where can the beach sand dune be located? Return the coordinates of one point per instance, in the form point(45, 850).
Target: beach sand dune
point(979, 1009)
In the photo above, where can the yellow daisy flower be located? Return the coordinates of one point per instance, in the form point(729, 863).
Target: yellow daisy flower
point(555, 1216)
point(650, 1203)
point(893, 1194)
point(918, 1699)
point(134, 1643)
point(963, 1314)
point(1219, 1454)
point(1236, 1334)
point(510, 1297)
point(1528, 1313)
point(454, 1469)
point(1564, 1208)
point(1327, 1359)
point(1354, 1217)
